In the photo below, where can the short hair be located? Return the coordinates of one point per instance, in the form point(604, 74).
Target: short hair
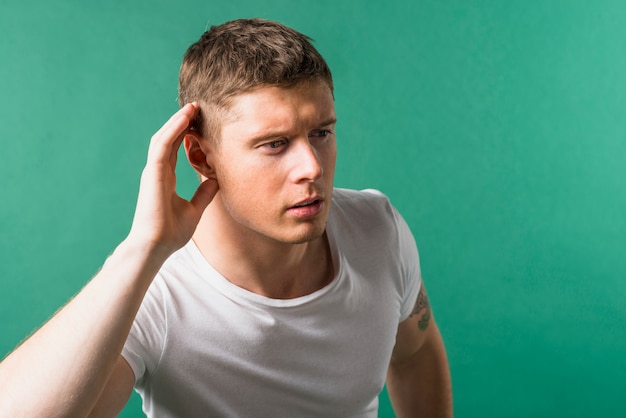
point(240, 55)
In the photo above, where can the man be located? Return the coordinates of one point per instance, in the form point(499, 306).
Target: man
point(269, 293)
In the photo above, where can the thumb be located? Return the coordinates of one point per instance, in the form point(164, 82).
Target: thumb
point(204, 194)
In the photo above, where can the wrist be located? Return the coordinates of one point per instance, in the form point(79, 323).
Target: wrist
point(149, 253)
point(151, 245)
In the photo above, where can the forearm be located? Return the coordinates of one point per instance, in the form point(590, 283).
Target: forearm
point(62, 369)
point(420, 386)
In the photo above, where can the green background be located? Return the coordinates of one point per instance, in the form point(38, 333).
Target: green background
point(496, 127)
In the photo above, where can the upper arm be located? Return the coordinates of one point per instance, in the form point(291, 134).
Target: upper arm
point(418, 379)
point(116, 392)
point(414, 331)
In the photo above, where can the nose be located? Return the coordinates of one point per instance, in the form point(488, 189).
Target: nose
point(307, 165)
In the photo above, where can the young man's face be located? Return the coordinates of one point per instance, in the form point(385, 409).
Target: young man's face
point(275, 162)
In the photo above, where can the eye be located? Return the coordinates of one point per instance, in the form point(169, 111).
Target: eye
point(321, 133)
point(275, 145)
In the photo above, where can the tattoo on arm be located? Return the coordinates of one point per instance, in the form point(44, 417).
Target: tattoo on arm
point(422, 305)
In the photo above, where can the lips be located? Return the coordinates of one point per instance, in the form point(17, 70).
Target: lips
point(306, 203)
point(307, 208)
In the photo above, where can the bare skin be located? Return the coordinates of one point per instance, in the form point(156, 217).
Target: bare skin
point(262, 207)
point(418, 379)
point(63, 368)
point(278, 151)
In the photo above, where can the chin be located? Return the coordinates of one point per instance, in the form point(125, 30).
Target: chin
point(306, 236)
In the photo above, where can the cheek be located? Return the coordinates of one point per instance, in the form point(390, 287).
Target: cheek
point(246, 176)
point(248, 188)
point(250, 200)
point(330, 161)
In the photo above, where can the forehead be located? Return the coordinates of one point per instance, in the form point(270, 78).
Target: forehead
point(272, 107)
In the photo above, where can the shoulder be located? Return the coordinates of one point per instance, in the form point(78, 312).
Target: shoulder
point(177, 278)
point(362, 202)
point(347, 195)
point(369, 215)
point(365, 215)
point(369, 231)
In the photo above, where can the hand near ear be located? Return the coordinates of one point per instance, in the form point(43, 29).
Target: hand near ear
point(163, 220)
point(88, 334)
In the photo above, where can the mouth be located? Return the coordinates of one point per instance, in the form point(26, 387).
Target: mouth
point(308, 208)
point(307, 203)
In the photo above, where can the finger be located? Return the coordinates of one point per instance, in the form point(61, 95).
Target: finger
point(168, 139)
point(204, 194)
point(190, 110)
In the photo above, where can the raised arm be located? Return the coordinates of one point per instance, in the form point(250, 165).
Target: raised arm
point(62, 369)
point(418, 380)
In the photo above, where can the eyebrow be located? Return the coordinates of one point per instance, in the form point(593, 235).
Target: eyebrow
point(330, 121)
point(277, 133)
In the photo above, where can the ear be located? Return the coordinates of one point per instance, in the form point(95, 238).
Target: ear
point(199, 155)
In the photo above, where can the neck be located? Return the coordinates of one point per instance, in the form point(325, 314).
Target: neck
point(260, 264)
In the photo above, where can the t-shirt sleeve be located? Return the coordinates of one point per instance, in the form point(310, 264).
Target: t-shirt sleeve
point(405, 254)
point(410, 266)
point(144, 345)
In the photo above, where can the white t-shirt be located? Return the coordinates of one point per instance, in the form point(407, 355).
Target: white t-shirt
point(203, 347)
